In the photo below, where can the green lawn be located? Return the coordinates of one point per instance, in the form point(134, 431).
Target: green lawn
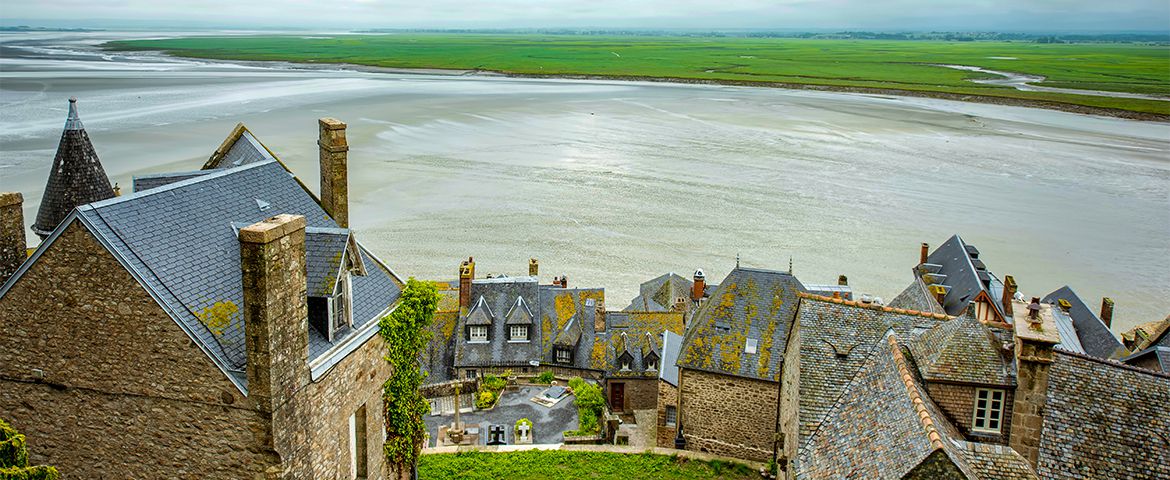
point(548, 464)
point(902, 65)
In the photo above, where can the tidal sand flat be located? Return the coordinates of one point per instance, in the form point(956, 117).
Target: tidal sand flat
point(612, 183)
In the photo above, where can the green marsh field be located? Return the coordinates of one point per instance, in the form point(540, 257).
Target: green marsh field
point(907, 67)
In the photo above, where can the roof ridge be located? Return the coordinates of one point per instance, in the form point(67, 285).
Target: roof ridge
point(915, 398)
point(175, 185)
point(1114, 363)
point(875, 307)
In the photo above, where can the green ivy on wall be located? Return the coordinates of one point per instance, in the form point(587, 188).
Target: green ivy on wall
point(14, 458)
point(406, 335)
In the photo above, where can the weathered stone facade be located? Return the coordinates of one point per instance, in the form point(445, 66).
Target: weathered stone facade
point(788, 443)
point(637, 394)
point(334, 156)
point(12, 241)
point(728, 415)
point(958, 403)
point(667, 397)
point(111, 387)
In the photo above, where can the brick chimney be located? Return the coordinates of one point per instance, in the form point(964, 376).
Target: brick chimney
point(466, 275)
point(12, 241)
point(276, 319)
point(1009, 293)
point(564, 281)
point(533, 267)
point(842, 280)
point(334, 168)
point(699, 288)
point(925, 253)
point(1036, 335)
point(1107, 311)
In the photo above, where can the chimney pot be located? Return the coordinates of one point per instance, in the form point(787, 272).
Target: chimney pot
point(925, 253)
point(533, 267)
point(842, 280)
point(334, 152)
point(699, 287)
point(1034, 310)
point(1107, 311)
point(1009, 293)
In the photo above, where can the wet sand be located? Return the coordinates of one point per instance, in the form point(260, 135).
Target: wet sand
point(614, 182)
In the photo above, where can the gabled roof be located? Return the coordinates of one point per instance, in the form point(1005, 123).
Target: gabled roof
point(77, 177)
point(236, 153)
point(886, 426)
point(963, 350)
point(147, 182)
point(749, 304)
point(519, 314)
point(917, 297)
point(1094, 337)
point(180, 243)
point(1104, 419)
point(1155, 358)
point(480, 313)
point(836, 336)
point(659, 293)
point(325, 254)
point(956, 265)
point(638, 334)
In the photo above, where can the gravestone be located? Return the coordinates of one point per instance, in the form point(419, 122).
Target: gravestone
point(496, 435)
point(523, 434)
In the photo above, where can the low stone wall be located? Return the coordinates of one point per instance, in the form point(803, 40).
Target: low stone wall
point(447, 389)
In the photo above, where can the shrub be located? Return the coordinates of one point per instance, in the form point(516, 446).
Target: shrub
point(546, 377)
point(14, 458)
point(590, 408)
point(576, 383)
point(485, 399)
point(493, 383)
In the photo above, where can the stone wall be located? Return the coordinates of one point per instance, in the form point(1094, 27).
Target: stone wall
point(958, 403)
point(789, 441)
point(12, 241)
point(728, 415)
point(108, 385)
point(667, 396)
point(639, 394)
point(1031, 397)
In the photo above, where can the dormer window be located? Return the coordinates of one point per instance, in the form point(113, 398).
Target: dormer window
point(330, 314)
point(518, 333)
point(477, 333)
point(625, 365)
point(564, 355)
point(651, 363)
point(340, 304)
point(988, 411)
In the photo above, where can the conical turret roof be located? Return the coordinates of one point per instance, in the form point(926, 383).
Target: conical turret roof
point(77, 177)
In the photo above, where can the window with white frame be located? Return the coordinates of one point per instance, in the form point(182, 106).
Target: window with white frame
point(518, 333)
point(625, 365)
point(651, 363)
point(988, 411)
point(563, 355)
point(671, 415)
point(477, 333)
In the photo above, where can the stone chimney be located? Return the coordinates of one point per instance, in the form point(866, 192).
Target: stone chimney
point(939, 292)
point(466, 275)
point(699, 288)
point(599, 317)
point(925, 253)
point(1036, 335)
point(334, 170)
point(842, 280)
point(533, 267)
point(276, 319)
point(1107, 311)
point(1009, 293)
point(12, 242)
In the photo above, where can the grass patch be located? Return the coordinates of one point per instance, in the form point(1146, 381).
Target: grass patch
point(545, 464)
point(900, 65)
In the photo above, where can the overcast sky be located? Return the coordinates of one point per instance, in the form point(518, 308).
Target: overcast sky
point(1001, 15)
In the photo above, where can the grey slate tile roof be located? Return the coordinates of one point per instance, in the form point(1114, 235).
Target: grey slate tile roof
point(957, 262)
point(1155, 358)
point(77, 177)
point(487, 298)
point(835, 340)
point(916, 297)
point(147, 182)
point(749, 304)
point(1095, 338)
point(885, 425)
point(963, 350)
point(1104, 420)
point(324, 251)
point(1069, 341)
point(241, 148)
point(180, 241)
point(643, 336)
point(660, 294)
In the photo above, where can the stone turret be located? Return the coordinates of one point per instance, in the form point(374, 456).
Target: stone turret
point(77, 177)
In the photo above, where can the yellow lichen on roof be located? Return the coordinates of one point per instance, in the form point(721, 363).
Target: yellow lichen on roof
point(218, 316)
point(765, 349)
point(565, 307)
point(597, 355)
point(445, 323)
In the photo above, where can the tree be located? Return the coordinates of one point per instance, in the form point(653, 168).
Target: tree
point(406, 334)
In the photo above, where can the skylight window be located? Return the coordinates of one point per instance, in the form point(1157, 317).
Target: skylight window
point(751, 345)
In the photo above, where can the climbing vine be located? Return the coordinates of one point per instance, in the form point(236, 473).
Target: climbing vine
point(406, 333)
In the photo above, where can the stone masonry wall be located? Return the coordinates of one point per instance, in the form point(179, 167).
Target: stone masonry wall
point(958, 403)
point(125, 393)
point(790, 406)
point(12, 241)
point(728, 415)
point(639, 394)
point(1031, 398)
point(667, 396)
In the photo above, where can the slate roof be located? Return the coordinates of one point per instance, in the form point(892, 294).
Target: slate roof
point(1155, 358)
point(77, 177)
point(643, 335)
point(885, 425)
point(835, 339)
point(240, 148)
point(671, 347)
point(749, 304)
point(147, 182)
point(658, 294)
point(955, 264)
point(963, 350)
point(180, 241)
point(1094, 337)
point(1150, 333)
point(827, 290)
point(324, 252)
point(1104, 420)
point(917, 297)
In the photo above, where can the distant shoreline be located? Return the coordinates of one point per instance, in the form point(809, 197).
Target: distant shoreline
point(962, 97)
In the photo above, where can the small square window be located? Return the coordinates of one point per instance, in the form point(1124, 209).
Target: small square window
point(477, 333)
point(563, 356)
point(518, 333)
point(471, 374)
point(671, 415)
point(988, 411)
point(625, 365)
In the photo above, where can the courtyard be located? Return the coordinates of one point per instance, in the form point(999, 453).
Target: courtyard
point(548, 423)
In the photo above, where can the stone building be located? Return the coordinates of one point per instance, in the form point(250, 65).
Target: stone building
point(667, 407)
point(630, 351)
point(211, 325)
point(1151, 346)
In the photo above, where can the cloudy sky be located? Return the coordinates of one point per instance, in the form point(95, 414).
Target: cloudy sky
point(1001, 15)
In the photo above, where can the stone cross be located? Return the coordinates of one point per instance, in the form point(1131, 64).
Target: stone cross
point(524, 432)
